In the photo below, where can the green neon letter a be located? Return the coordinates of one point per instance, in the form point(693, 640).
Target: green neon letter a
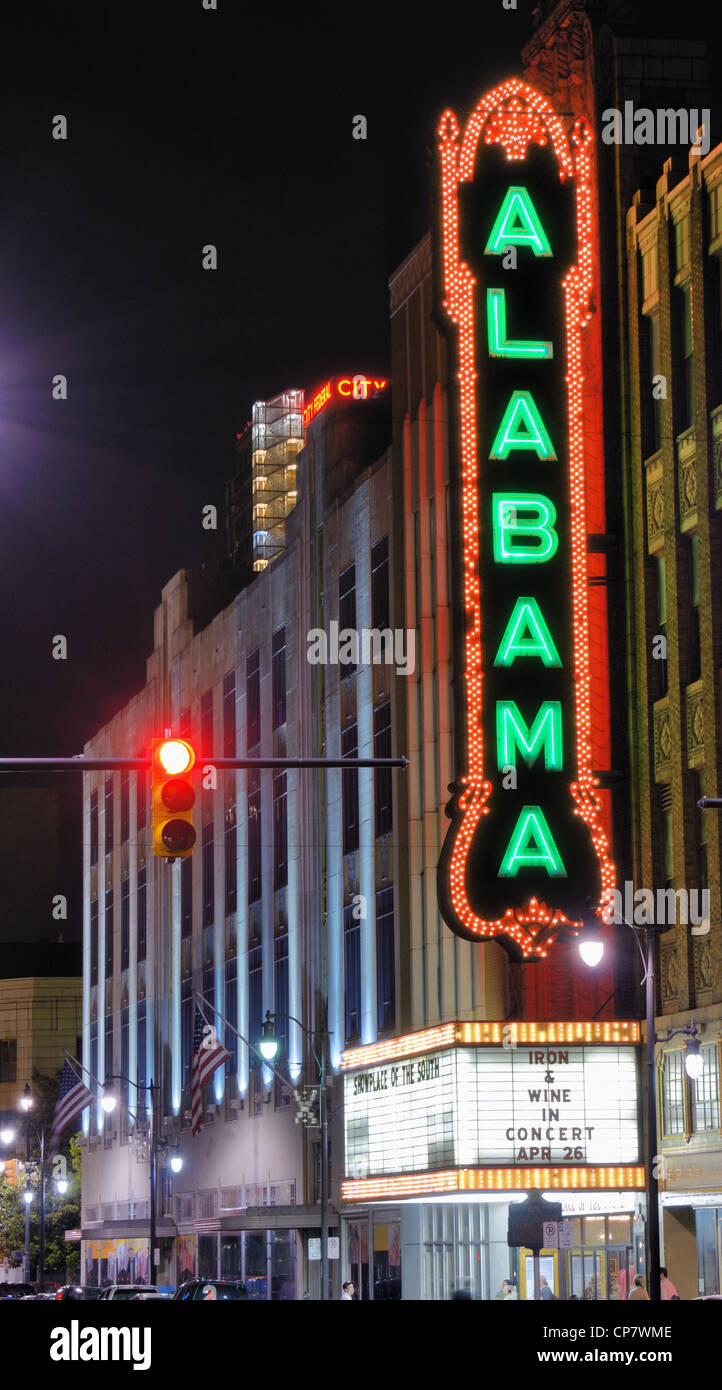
point(522, 427)
point(527, 618)
point(513, 732)
point(517, 224)
point(532, 846)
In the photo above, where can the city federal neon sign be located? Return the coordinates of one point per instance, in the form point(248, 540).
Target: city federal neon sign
point(356, 388)
point(526, 853)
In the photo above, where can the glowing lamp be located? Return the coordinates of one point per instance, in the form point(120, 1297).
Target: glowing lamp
point(693, 1062)
point(268, 1046)
point(7, 1135)
point(108, 1101)
point(176, 1163)
point(591, 945)
point(28, 1196)
point(176, 756)
point(62, 1186)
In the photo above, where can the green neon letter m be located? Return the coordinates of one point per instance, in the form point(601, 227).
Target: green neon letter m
point(513, 732)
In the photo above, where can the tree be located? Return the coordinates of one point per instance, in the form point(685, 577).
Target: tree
point(62, 1213)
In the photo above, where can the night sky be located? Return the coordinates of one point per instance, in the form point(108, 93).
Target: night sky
point(186, 127)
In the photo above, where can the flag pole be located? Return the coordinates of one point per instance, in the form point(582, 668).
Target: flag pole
point(284, 1082)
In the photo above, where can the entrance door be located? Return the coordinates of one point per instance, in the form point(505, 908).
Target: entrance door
point(357, 1254)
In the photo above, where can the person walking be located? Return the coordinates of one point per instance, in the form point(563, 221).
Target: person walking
point(508, 1290)
point(347, 1292)
point(546, 1292)
point(667, 1289)
point(639, 1289)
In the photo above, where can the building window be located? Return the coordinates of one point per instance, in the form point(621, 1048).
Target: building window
point(280, 983)
point(109, 1062)
point(255, 1000)
point(681, 243)
point(208, 873)
point(141, 795)
point(702, 820)
point(94, 941)
point(231, 1012)
point(278, 677)
point(347, 605)
point(686, 356)
point(695, 667)
point(253, 700)
point(230, 836)
point(651, 399)
point(124, 923)
point(352, 973)
point(108, 815)
point(705, 1093)
point(386, 958)
point(186, 898)
point(649, 271)
point(349, 789)
point(383, 785)
point(124, 806)
point(140, 1044)
point(254, 835)
point(668, 847)
point(380, 584)
point(715, 211)
point(673, 1093)
point(125, 1048)
point(660, 661)
point(280, 831)
point(229, 715)
point(8, 1059)
point(231, 847)
point(93, 828)
point(108, 933)
point(187, 1016)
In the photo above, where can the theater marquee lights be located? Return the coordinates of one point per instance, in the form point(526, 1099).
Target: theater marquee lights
point(527, 850)
point(479, 1107)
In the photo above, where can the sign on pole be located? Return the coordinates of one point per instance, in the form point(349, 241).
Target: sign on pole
point(551, 1235)
point(334, 1247)
point(314, 1247)
point(565, 1235)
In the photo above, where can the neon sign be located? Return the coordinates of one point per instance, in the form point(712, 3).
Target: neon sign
point(527, 848)
point(357, 388)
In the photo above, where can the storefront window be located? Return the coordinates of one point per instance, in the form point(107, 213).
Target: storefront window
point(707, 1260)
point(256, 1278)
point(231, 1257)
point(207, 1257)
point(283, 1265)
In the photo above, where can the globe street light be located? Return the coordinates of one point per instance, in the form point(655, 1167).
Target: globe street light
point(268, 1045)
point(28, 1196)
point(61, 1186)
point(7, 1135)
point(176, 1163)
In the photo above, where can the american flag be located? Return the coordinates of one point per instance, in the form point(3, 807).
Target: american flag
point(73, 1097)
point(208, 1054)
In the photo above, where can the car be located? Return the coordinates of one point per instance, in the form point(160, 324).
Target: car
point(76, 1293)
point(212, 1290)
point(16, 1290)
point(112, 1291)
point(145, 1295)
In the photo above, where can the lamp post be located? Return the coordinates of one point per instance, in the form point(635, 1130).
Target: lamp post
point(268, 1047)
point(591, 950)
point(7, 1136)
point(108, 1102)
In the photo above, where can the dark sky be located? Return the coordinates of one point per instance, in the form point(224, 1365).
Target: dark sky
point(186, 127)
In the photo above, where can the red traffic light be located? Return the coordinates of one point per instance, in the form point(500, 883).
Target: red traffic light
point(177, 794)
point(175, 755)
point(173, 798)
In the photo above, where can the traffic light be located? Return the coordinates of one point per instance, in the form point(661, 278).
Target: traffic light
point(10, 1172)
point(173, 798)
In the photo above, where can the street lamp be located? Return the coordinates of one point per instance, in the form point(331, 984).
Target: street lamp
point(109, 1101)
point(268, 1047)
point(591, 950)
point(7, 1135)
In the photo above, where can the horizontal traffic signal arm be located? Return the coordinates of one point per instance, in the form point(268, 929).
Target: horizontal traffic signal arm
point(81, 764)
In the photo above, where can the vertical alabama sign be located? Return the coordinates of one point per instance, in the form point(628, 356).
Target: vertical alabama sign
point(526, 853)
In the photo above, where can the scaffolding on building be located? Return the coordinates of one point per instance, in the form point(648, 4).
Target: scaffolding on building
point(277, 437)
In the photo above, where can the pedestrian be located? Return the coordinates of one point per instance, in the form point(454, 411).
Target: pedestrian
point(638, 1289)
point(461, 1293)
point(546, 1292)
point(347, 1292)
point(667, 1289)
point(508, 1290)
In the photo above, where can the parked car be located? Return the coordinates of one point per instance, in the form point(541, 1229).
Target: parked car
point(77, 1293)
point(212, 1290)
point(16, 1290)
point(126, 1291)
point(146, 1294)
